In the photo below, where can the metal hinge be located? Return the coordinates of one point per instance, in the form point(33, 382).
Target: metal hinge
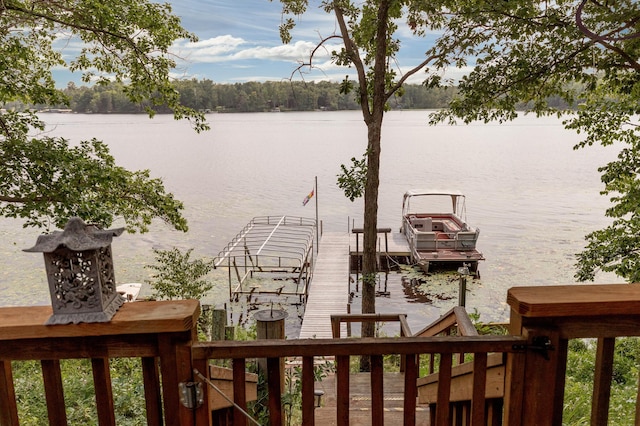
point(539, 344)
point(191, 394)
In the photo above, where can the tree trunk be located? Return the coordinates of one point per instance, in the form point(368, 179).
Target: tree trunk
point(374, 132)
point(369, 252)
point(369, 259)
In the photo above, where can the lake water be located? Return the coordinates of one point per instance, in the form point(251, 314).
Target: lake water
point(532, 196)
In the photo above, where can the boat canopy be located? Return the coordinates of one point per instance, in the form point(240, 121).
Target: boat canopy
point(270, 244)
point(457, 198)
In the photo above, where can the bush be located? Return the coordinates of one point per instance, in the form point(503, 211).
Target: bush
point(179, 277)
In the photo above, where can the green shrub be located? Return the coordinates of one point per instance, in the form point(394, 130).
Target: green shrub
point(179, 277)
point(581, 359)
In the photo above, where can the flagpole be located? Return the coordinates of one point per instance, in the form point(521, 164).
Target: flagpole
point(317, 222)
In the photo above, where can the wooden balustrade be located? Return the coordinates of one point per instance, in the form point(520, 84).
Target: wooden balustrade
point(342, 350)
point(548, 317)
point(162, 334)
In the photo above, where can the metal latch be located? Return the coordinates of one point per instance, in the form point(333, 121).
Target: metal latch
point(539, 344)
point(191, 394)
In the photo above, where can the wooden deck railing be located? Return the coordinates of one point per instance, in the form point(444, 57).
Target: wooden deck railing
point(159, 333)
point(162, 335)
point(342, 350)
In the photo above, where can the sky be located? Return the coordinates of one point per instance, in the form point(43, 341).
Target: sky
point(239, 42)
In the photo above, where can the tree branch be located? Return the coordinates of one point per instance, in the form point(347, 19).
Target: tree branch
point(354, 56)
point(22, 200)
point(312, 55)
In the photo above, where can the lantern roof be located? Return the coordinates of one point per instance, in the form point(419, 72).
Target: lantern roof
point(77, 236)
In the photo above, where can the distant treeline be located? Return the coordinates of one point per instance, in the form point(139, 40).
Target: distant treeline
point(205, 95)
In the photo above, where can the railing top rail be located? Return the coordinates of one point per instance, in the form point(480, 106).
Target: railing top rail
point(17, 323)
point(366, 317)
point(575, 300)
point(405, 330)
point(457, 315)
point(362, 346)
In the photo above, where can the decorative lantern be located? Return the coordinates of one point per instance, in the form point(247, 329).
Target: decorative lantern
point(80, 273)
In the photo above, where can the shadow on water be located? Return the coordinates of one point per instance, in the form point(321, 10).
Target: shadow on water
point(406, 289)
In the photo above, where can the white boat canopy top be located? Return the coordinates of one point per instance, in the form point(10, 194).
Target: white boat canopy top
point(457, 199)
point(279, 245)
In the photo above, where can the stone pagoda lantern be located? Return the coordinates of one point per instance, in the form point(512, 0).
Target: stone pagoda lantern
point(80, 274)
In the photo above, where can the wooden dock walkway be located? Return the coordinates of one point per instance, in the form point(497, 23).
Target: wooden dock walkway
point(329, 288)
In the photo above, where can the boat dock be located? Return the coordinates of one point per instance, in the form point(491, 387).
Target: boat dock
point(329, 290)
point(328, 293)
point(393, 244)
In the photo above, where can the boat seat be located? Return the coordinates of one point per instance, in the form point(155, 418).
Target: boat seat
point(425, 240)
point(466, 240)
point(424, 224)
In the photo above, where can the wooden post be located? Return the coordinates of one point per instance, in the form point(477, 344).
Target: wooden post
point(218, 324)
point(270, 325)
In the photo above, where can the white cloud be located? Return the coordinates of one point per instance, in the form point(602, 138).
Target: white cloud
point(228, 48)
point(210, 50)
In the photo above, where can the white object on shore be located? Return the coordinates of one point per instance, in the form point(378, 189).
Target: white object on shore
point(129, 291)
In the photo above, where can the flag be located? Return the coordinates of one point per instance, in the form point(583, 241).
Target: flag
point(307, 198)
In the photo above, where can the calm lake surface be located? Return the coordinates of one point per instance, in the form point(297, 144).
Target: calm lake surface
point(532, 196)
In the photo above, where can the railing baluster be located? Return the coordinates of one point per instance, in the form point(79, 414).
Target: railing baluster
point(239, 391)
point(152, 393)
point(479, 389)
point(377, 391)
point(444, 390)
point(342, 391)
point(308, 391)
point(275, 391)
point(54, 393)
point(8, 408)
point(602, 381)
point(410, 389)
point(104, 392)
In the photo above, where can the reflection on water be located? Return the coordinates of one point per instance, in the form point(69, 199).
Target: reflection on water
point(531, 195)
